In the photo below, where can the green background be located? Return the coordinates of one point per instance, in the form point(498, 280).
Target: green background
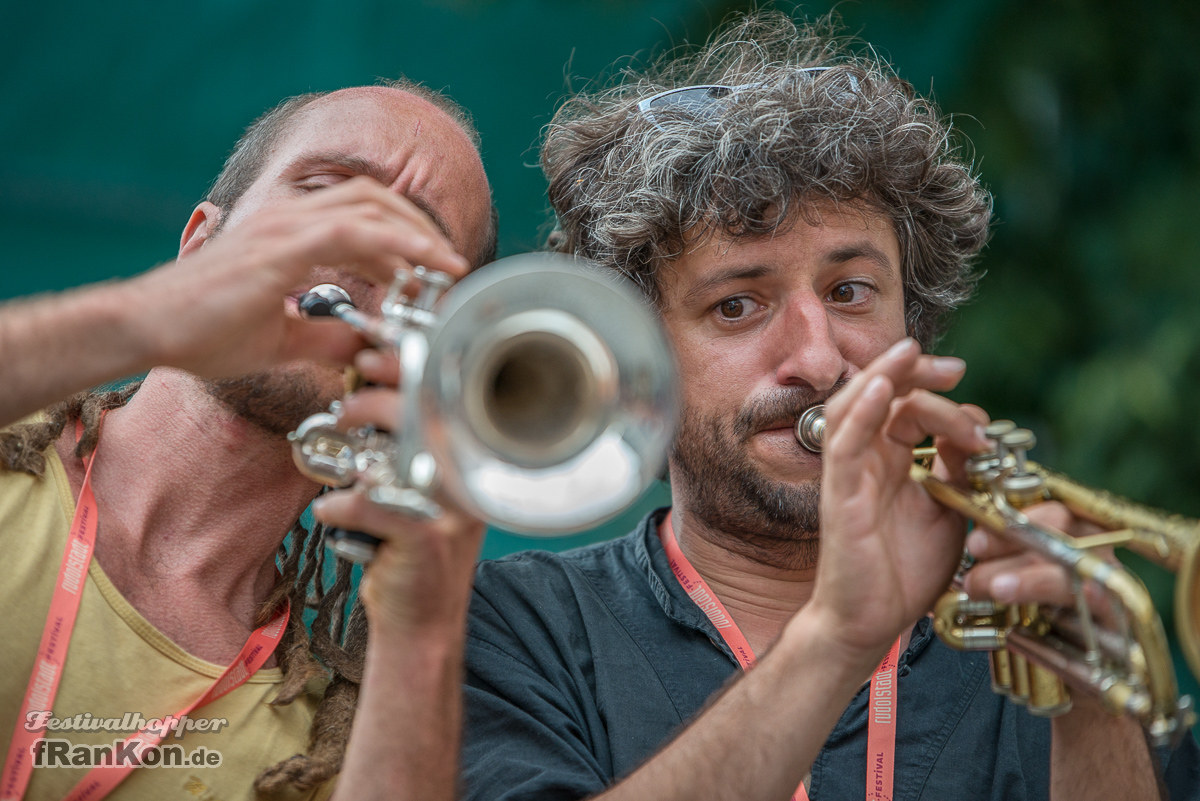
point(1084, 119)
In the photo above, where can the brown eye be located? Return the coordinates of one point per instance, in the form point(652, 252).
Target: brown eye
point(852, 293)
point(843, 293)
point(732, 308)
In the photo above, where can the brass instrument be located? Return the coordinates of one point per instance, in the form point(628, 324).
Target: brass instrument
point(1035, 649)
point(539, 396)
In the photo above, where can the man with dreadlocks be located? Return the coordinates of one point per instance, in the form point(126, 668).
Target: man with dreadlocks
point(188, 620)
point(801, 220)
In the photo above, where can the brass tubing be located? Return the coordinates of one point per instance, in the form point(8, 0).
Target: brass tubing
point(1172, 541)
point(1129, 668)
point(1162, 538)
point(1160, 686)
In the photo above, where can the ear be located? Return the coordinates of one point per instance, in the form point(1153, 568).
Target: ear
point(200, 226)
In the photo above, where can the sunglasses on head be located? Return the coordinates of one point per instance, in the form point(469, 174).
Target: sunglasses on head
point(700, 102)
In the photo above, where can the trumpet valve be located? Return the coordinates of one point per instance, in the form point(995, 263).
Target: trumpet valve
point(406, 306)
point(985, 466)
point(1022, 487)
point(323, 453)
point(967, 624)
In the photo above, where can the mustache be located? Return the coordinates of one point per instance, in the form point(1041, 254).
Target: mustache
point(779, 408)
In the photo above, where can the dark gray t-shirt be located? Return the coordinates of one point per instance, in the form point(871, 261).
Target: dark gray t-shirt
point(583, 664)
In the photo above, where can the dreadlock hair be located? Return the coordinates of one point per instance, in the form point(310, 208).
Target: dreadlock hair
point(337, 645)
point(801, 119)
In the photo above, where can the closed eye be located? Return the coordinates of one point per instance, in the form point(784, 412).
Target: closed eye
point(312, 183)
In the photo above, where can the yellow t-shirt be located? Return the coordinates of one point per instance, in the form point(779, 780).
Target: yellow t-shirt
point(120, 669)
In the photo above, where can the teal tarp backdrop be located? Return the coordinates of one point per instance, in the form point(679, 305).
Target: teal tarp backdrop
point(1085, 120)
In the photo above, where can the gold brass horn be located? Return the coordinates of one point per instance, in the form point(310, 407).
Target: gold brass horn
point(1034, 649)
point(539, 395)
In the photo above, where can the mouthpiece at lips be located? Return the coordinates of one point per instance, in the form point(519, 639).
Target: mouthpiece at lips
point(810, 428)
point(320, 300)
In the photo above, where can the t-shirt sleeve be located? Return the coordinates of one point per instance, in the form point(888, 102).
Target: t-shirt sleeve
point(1181, 769)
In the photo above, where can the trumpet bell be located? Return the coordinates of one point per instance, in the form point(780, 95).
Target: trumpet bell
point(549, 387)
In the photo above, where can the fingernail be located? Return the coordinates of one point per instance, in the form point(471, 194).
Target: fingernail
point(981, 436)
point(949, 364)
point(318, 503)
point(977, 543)
point(368, 359)
point(901, 348)
point(1004, 587)
point(875, 387)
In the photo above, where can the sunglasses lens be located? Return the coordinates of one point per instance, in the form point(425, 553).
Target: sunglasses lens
point(700, 102)
point(693, 102)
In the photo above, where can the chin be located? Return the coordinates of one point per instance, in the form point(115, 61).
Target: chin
point(276, 401)
point(784, 462)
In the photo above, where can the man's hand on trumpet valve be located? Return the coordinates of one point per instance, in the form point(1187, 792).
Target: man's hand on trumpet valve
point(234, 286)
point(1007, 573)
point(421, 573)
point(887, 549)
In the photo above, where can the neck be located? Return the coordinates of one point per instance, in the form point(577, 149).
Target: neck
point(193, 504)
point(760, 598)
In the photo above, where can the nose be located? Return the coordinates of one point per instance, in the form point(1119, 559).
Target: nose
point(809, 354)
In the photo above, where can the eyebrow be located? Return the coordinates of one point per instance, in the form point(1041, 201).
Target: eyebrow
point(841, 255)
point(724, 277)
point(361, 166)
point(863, 250)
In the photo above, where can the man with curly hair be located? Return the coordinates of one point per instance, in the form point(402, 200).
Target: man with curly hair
point(803, 222)
point(169, 504)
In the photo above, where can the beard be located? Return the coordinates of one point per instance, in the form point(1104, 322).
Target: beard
point(769, 521)
point(275, 401)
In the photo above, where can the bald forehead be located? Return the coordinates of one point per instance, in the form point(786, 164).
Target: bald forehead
point(405, 142)
point(388, 95)
point(412, 115)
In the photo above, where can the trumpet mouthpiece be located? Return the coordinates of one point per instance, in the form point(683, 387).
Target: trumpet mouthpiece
point(810, 428)
point(320, 300)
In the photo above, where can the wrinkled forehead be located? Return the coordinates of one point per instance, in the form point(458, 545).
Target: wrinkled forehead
point(403, 141)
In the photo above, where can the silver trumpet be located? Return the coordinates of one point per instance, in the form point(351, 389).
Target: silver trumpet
point(539, 395)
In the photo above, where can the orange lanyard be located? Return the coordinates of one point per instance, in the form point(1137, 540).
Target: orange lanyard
point(881, 719)
point(52, 655)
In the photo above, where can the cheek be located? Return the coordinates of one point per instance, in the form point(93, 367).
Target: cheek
point(860, 345)
point(714, 375)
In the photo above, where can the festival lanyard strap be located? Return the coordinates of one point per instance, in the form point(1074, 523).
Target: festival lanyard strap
point(881, 720)
point(52, 655)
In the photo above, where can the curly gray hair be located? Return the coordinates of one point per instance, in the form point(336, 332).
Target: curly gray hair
point(633, 189)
